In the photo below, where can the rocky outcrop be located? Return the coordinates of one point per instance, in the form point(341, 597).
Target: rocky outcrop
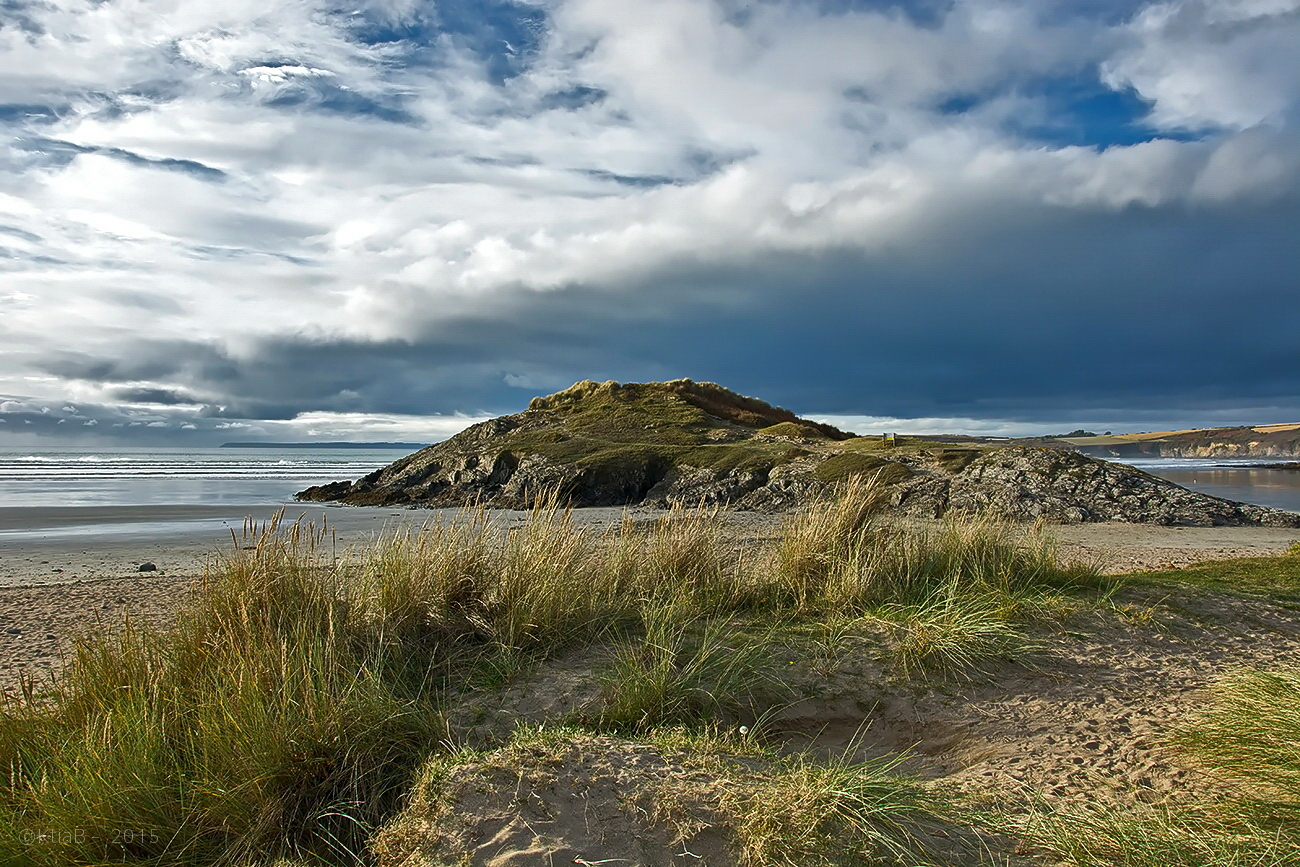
point(1070, 488)
point(684, 443)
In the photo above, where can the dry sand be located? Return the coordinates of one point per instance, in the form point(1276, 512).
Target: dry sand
point(1087, 718)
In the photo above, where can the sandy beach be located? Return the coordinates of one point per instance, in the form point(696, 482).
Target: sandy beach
point(1085, 719)
point(81, 570)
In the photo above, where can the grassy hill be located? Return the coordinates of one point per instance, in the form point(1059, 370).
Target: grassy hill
point(683, 443)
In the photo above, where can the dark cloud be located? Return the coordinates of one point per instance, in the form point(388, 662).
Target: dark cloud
point(163, 396)
point(16, 232)
point(629, 180)
point(325, 96)
point(147, 360)
point(1112, 313)
point(1014, 335)
point(65, 151)
point(1076, 211)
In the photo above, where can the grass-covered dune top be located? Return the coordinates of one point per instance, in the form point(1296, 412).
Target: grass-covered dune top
point(856, 690)
point(687, 443)
point(611, 409)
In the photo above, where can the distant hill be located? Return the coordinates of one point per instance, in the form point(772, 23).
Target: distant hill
point(1271, 440)
point(331, 445)
point(688, 443)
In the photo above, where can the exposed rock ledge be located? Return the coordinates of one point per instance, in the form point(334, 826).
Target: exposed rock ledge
point(662, 444)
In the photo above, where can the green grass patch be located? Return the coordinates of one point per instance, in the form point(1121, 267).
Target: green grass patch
point(839, 468)
point(633, 457)
point(1274, 576)
point(635, 415)
point(793, 429)
point(956, 460)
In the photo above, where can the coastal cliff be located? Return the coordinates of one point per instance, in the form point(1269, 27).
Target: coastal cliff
point(688, 443)
point(1261, 441)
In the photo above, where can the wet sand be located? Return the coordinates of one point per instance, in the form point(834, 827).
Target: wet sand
point(67, 544)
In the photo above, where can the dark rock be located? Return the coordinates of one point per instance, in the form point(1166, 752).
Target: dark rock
point(1069, 488)
point(146, 567)
point(688, 444)
point(326, 493)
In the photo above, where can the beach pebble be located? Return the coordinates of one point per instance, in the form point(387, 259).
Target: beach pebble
point(146, 567)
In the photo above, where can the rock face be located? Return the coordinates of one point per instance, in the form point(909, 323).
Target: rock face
point(687, 443)
point(1070, 488)
point(603, 444)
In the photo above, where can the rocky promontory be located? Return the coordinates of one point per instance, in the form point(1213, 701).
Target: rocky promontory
point(687, 443)
point(1259, 441)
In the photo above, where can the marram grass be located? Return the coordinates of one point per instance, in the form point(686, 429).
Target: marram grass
point(285, 711)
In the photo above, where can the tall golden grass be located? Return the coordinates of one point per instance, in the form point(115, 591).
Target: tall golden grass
point(285, 711)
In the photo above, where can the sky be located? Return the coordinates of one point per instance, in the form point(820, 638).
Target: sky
point(387, 219)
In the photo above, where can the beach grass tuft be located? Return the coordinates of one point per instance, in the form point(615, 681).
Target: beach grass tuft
point(290, 705)
point(835, 812)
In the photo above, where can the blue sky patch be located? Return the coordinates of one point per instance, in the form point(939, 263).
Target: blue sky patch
point(1077, 110)
point(1083, 111)
point(500, 33)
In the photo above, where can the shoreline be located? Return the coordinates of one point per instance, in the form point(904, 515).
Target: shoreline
point(73, 545)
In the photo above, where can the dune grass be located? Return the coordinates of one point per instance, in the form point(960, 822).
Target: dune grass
point(838, 812)
point(680, 671)
point(1090, 835)
point(1250, 734)
point(267, 720)
point(288, 707)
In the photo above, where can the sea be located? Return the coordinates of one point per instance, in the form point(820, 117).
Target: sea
point(155, 477)
point(1242, 479)
point(46, 492)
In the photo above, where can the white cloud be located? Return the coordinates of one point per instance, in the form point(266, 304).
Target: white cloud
point(281, 74)
point(232, 170)
point(1213, 63)
point(374, 426)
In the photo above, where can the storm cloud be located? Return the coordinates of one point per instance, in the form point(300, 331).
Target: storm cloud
point(305, 220)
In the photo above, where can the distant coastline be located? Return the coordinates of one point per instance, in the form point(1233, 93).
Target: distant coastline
point(330, 445)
